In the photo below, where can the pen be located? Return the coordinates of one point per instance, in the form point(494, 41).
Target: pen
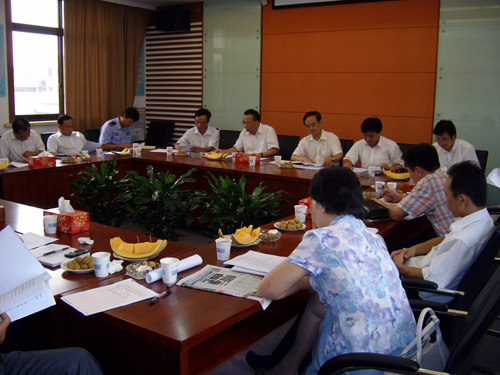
point(157, 298)
point(56, 251)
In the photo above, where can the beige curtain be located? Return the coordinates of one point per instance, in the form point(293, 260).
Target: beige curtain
point(102, 45)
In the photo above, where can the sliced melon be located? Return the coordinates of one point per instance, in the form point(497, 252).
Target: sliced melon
point(4, 163)
point(395, 175)
point(136, 250)
point(245, 236)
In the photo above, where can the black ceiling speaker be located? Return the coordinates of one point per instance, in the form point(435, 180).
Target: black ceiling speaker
point(173, 19)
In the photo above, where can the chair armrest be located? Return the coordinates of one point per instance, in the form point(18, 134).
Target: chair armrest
point(429, 287)
point(493, 210)
point(360, 361)
point(420, 304)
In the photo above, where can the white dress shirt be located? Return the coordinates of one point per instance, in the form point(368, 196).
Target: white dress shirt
point(264, 140)
point(461, 151)
point(13, 149)
point(386, 151)
point(447, 262)
point(327, 145)
point(68, 145)
point(193, 137)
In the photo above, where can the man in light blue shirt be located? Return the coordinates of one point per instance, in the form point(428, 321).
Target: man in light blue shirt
point(117, 133)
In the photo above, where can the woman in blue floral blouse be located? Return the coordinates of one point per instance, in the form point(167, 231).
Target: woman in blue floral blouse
point(357, 303)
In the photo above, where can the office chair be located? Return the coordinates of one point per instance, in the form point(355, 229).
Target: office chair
point(346, 145)
point(160, 133)
point(45, 137)
point(476, 323)
point(92, 134)
point(482, 156)
point(227, 138)
point(288, 144)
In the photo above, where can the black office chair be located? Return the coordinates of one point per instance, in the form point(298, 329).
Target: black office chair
point(476, 323)
point(404, 147)
point(346, 145)
point(160, 133)
point(92, 135)
point(45, 137)
point(288, 144)
point(227, 138)
point(482, 156)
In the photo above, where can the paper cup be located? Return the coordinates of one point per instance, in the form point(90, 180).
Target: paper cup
point(300, 212)
point(169, 149)
point(50, 224)
point(85, 152)
point(372, 171)
point(169, 267)
point(277, 160)
point(379, 187)
point(223, 246)
point(98, 152)
point(252, 160)
point(392, 185)
point(233, 155)
point(101, 263)
point(137, 151)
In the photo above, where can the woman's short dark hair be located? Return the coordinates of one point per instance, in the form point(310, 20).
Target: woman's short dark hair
point(467, 178)
point(20, 123)
point(338, 191)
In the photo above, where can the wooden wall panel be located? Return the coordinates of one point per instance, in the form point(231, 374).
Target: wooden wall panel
point(350, 62)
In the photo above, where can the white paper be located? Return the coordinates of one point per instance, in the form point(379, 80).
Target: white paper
point(108, 297)
point(33, 240)
point(494, 177)
point(254, 262)
point(17, 164)
point(184, 264)
point(307, 163)
point(17, 267)
point(52, 260)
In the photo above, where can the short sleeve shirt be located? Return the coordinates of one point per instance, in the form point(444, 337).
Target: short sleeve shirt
point(428, 198)
point(193, 137)
point(327, 145)
point(461, 151)
point(112, 132)
point(386, 151)
point(68, 145)
point(352, 272)
point(264, 140)
point(13, 149)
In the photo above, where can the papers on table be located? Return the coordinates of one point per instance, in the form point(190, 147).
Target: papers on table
point(109, 297)
point(494, 177)
point(255, 263)
point(32, 240)
point(91, 146)
point(17, 164)
point(52, 260)
point(305, 164)
point(24, 283)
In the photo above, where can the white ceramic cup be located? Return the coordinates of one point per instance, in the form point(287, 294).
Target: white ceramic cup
point(372, 171)
point(252, 160)
point(85, 152)
point(101, 263)
point(98, 152)
point(223, 246)
point(169, 267)
point(277, 160)
point(379, 187)
point(50, 224)
point(300, 212)
point(392, 185)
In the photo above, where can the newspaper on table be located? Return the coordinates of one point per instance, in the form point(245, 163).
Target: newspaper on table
point(225, 281)
point(255, 263)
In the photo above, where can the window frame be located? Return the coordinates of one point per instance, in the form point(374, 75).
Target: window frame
point(59, 32)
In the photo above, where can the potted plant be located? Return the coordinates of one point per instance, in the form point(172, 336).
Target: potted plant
point(231, 207)
point(160, 203)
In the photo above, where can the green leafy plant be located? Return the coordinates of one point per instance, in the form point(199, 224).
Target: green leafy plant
point(231, 207)
point(104, 198)
point(159, 206)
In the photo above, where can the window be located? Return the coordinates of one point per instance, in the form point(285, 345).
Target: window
point(35, 49)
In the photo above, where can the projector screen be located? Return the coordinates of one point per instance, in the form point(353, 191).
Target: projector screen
point(299, 3)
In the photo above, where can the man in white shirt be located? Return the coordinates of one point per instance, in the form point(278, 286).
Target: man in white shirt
point(201, 137)
point(319, 145)
point(444, 260)
point(452, 150)
point(20, 142)
point(66, 141)
point(256, 137)
point(374, 150)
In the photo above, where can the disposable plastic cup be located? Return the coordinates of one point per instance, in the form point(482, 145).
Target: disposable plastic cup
point(300, 212)
point(50, 224)
point(169, 268)
point(223, 246)
point(101, 263)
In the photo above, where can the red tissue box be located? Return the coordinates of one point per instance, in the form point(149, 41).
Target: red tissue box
point(307, 202)
point(242, 158)
point(41, 161)
point(70, 223)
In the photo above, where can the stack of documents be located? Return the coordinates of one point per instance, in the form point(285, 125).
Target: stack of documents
point(41, 245)
point(255, 263)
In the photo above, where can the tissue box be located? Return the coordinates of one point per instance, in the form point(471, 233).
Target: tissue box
point(242, 158)
point(41, 161)
point(307, 202)
point(70, 223)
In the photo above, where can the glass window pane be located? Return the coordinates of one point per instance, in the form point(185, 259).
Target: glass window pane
point(36, 73)
point(35, 12)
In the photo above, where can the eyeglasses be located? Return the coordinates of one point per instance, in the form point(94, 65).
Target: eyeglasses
point(441, 140)
point(247, 122)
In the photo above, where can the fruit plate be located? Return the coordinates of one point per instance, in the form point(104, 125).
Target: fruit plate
point(287, 167)
point(119, 154)
point(181, 155)
point(139, 275)
point(134, 259)
point(65, 267)
point(223, 156)
point(246, 245)
point(276, 225)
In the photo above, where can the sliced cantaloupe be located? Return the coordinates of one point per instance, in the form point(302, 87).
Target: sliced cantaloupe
point(245, 236)
point(136, 250)
point(395, 175)
point(4, 163)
